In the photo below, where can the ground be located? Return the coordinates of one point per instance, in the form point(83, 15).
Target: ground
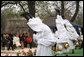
point(78, 52)
point(14, 53)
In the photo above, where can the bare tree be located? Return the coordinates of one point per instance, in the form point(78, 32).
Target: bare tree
point(31, 6)
point(76, 12)
point(62, 9)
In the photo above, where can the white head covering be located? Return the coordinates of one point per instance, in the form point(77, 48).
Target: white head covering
point(35, 24)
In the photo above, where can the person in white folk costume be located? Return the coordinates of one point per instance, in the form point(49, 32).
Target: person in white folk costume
point(71, 30)
point(74, 36)
point(43, 37)
point(63, 36)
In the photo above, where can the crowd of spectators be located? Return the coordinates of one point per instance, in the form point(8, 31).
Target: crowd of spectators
point(15, 41)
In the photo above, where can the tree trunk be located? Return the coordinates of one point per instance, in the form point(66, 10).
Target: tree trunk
point(31, 6)
point(76, 11)
point(62, 9)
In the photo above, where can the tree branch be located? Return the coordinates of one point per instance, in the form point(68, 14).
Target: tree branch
point(31, 6)
point(69, 7)
point(4, 4)
point(21, 6)
point(76, 11)
point(62, 9)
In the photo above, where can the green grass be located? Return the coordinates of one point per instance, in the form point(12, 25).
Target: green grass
point(77, 52)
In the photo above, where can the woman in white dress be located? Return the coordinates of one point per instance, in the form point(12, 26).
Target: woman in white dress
point(16, 41)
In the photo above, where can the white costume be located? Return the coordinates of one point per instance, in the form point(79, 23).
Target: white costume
point(71, 30)
point(44, 37)
point(16, 41)
point(62, 35)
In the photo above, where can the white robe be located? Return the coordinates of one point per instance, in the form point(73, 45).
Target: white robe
point(71, 30)
point(44, 37)
point(62, 35)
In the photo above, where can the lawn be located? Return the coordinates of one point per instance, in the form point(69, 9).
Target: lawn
point(77, 52)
